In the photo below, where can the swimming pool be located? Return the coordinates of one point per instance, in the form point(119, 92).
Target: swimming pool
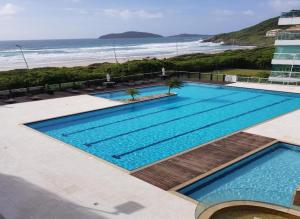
point(270, 176)
point(132, 136)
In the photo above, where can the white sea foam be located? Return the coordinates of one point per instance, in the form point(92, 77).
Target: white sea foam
point(39, 57)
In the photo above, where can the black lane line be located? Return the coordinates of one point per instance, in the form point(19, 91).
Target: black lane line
point(118, 156)
point(88, 117)
point(146, 114)
point(172, 120)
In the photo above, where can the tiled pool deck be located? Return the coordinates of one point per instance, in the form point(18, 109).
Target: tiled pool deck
point(44, 178)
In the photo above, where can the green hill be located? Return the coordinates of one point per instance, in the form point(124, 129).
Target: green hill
point(251, 36)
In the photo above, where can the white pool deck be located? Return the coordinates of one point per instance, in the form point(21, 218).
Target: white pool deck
point(284, 128)
point(41, 177)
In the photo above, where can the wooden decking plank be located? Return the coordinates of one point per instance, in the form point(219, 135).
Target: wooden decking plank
point(184, 167)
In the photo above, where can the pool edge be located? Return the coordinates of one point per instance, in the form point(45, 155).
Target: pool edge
point(207, 213)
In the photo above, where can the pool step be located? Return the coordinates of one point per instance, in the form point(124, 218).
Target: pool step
point(171, 173)
point(297, 197)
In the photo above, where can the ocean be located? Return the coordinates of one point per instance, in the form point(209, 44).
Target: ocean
point(77, 52)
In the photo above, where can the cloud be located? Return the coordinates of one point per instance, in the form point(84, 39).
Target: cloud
point(248, 13)
point(126, 13)
point(223, 12)
point(78, 10)
point(229, 13)
point(284, 5)
point(118, 13)
point(9, 10)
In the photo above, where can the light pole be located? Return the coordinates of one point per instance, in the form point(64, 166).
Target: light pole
point(20, 47)
point(115, 54)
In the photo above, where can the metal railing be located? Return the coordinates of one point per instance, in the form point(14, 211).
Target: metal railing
point(271, 80)
point(287, 56)
point(290, 14)
point(285, 74)
point(288, 36)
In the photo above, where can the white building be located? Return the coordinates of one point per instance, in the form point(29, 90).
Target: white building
point(286, 61)
point(273, 33)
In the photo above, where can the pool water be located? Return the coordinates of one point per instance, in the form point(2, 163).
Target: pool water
point(132, 136)
point(270, 176)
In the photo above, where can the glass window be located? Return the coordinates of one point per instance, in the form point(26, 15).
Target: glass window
point(287, 49)
point(286, 71)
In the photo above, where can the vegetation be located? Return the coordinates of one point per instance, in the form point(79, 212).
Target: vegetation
point(246, 72)
point(173, 83)
point(259, 58)
point(132, 92)
point(130, 34)
point(251, 36)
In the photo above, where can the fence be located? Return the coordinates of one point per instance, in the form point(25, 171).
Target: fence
point(182, 75)
point(288, 36)
point(267, 81)
point(50, 88)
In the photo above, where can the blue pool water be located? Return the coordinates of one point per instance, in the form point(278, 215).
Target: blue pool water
point(270, 176)
point(136, 135)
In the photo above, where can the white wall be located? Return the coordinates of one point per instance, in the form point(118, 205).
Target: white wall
point(289, 21)
point(287, 42)
point(285, 62)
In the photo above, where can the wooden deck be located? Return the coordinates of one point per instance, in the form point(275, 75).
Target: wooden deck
point(182, 168)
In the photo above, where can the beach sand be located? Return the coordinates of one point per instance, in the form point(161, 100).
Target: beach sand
point(81, 63)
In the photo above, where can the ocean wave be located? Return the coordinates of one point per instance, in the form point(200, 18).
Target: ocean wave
point(111, 47)
point(11, 58)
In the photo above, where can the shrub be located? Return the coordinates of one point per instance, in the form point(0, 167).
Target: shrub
point(259, 58)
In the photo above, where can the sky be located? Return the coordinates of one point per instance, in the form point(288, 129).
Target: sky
point(70, 19)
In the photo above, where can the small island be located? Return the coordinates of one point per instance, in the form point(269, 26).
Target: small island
point(130, 34)
point(190, 35)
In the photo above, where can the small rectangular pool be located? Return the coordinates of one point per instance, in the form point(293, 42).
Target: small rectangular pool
point(132, 136)
point(270, 176)
point(121, 95)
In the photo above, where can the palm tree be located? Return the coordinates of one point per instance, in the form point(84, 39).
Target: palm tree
point(173, 83)
point(132, 92)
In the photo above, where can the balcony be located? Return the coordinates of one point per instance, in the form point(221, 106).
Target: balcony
point(287, 56)
point(288, 36)
point(290, 14)
point(288, 77)
point(288, 39)
point(282, 74)
point(292, 71)
point(290, 18)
